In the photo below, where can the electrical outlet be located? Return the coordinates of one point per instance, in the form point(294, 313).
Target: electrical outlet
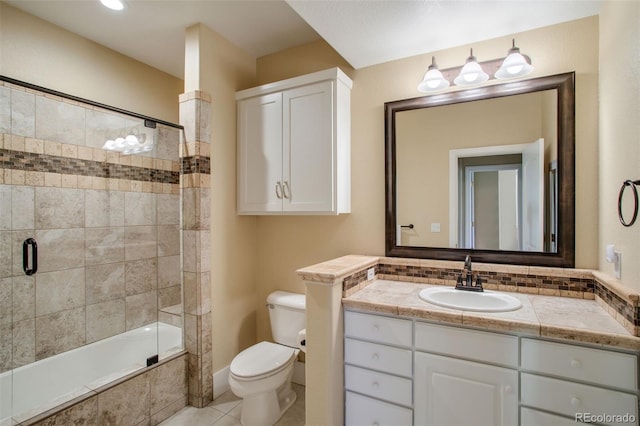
point(370, 274)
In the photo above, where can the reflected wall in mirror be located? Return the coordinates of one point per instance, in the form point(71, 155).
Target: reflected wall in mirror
point(487, 171)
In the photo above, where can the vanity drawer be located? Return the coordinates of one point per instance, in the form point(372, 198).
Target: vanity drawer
point(360, 410)
point(570, 398)
point(378, 357)
point(377, 328)
point(530, 417)
point(379, 385)
point(579, 363)
point(471, 344)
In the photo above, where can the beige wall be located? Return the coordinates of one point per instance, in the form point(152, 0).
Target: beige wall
point(619, 130)
point(288, 243)
point(217, 67)
point(40, 53)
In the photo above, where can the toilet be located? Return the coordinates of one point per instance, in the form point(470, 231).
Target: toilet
point(261, 374)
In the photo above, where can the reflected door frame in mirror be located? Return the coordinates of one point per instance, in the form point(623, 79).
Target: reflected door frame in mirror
point(564, 84)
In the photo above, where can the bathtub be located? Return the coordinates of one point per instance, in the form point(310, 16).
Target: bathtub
point(29, 390)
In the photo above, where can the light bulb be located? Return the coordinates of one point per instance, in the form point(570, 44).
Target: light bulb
point(113, 4)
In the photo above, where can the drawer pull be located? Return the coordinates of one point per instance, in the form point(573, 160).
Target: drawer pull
point(375, 385)
point(375, 356)
point(575, 401)
point(575, 363)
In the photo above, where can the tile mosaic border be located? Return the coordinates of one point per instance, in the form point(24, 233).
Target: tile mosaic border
point(581, 284)
point(33, 162)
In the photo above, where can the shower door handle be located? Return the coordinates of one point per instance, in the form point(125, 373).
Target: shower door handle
point(34, 256)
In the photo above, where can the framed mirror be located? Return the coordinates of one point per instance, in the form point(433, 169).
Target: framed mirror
point(487, 171)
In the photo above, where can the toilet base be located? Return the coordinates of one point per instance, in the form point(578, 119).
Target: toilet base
point(265, 409)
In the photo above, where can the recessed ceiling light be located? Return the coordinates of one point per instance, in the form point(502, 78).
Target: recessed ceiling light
point(113, 4)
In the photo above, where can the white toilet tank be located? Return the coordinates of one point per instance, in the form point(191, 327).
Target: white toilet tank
point(287, 316)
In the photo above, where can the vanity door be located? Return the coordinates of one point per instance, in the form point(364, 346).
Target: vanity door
point(453, 392)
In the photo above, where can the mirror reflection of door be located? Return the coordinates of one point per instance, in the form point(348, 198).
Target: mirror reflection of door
point(502, 200)
point(492, 215)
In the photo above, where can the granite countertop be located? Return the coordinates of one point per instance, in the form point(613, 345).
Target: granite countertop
point(577, 320)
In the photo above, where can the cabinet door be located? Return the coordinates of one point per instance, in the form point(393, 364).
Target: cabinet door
point(451, 392)
point(309, 149)
point(260, 154)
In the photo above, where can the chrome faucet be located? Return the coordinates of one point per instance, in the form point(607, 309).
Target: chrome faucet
point(467, 283)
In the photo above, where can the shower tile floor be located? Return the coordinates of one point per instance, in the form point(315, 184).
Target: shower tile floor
point(225, 411)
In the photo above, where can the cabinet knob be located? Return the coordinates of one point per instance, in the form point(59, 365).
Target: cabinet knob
point(375, 356)
point(575, 401)
point(575, 363)
point(375, 385)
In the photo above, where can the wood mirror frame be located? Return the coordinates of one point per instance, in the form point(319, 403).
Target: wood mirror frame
point(565, 255)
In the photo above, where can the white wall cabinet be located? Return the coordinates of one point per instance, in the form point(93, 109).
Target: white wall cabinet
point(401, 371)
point(294, 146)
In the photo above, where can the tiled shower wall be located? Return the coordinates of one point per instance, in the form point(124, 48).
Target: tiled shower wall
point(107, 225)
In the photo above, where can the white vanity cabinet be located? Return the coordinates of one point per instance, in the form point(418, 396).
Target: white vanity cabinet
point(378, 370)
point(577, 381)
point(467, 391)
point(294, 146)
point(403, 371)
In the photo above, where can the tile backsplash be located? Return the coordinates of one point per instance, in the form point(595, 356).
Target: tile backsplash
point(107, 225)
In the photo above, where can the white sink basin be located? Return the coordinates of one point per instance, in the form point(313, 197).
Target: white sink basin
point(486, 301)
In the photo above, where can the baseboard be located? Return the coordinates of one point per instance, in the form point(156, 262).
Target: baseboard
point(221, 382)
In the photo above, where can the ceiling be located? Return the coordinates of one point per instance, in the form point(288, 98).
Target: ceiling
point(364, 32)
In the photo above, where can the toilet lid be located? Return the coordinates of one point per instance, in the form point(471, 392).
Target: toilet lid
point(261, 358)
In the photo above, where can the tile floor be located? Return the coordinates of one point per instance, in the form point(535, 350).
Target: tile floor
point(225, 411)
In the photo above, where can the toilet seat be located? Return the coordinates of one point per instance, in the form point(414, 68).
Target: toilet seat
point(261, 360)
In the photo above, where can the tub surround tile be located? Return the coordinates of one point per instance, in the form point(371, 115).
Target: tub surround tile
point(141, 276)
point(83, 413)
point(23, 113)
point(140, 209)
point(60, 332)
point(6, 347)
point(24, 342)
point(104, 245)
point(6, 301)
point(22, 208)
point(6, 253)
point(104, 209)
point(58, 249)
point(105, 282)
point(59, 208)
point(5, 109)
point(141, 309)
point(168, 271)
point(59, 291)
point(140, 242)
point(168, 384)
point(75, 407)
point(168, 240)
point(126, 404)
point(59, 121)
point(105, 319)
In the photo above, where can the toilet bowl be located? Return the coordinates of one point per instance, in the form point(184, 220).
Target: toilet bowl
point(261, 374)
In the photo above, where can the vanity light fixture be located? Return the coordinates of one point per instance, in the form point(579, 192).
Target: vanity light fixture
point(471, 73)
point(514, 65)
point(113, 4)
point(474, 72)
point(433, 80)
